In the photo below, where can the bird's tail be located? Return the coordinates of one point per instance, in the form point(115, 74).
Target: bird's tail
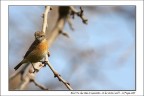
point(17, 66)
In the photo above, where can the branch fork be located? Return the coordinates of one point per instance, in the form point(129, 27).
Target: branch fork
point(78, 13)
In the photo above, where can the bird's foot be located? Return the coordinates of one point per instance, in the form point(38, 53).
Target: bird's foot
point(35, 70)
point(45, 63)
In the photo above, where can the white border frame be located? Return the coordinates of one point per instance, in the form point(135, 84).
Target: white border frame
point(4, 46)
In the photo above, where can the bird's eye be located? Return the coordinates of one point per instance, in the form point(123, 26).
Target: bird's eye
point(41, 36)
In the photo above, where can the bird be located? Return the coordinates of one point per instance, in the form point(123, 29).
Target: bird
point(37, 51)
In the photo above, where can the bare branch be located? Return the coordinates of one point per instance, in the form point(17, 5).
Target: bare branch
point(56, 74)
point(64, 34)
point(55, 32)
point(63, 13)
point(70, 23)
point(21, 72)
point(45, 18)
point(29, 75)
point(15, 74)
point(79, 13)
point(24, 83)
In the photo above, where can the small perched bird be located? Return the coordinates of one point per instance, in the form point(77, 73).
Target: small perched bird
point(37, 50)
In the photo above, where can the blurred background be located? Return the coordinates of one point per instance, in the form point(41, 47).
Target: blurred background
point(97, 56)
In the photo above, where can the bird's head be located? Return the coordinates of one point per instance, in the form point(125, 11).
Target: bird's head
point(39, 35)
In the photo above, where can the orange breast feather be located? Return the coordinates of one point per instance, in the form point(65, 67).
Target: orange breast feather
point(43, 46)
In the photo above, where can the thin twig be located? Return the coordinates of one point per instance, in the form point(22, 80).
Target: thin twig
point(79, 13)
point(70, 23)
point(45, 18)
point(64, 34)
point(29, 75)
point(56, 74)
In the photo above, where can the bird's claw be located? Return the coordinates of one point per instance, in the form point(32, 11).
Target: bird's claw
point(45, 63)
point(35, 70)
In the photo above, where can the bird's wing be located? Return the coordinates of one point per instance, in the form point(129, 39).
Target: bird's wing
point(31, 48)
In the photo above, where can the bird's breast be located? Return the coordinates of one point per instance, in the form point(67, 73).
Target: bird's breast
point(43, 46)
point(39, 52)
